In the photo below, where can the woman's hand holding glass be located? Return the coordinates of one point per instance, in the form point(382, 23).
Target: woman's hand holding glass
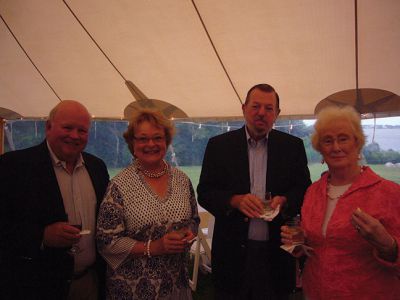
point(175, 241)
point(293, 235)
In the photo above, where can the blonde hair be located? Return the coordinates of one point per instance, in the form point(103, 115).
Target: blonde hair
point(154, 117)
point(331, 114)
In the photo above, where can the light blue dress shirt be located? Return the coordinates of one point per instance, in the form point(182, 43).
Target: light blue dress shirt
point(258, 154)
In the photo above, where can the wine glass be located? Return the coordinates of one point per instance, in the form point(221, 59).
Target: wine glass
point(75, 220)
point(267, 201)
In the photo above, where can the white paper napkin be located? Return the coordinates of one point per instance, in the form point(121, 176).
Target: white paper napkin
point(290, 248)
point(270, 215)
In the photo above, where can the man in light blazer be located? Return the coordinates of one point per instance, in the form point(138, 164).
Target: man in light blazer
point(39, 188)
point(239, 167)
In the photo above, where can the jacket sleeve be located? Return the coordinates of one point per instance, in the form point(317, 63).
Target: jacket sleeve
point(215, 189)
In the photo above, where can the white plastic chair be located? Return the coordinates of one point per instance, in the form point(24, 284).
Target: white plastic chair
point(201, 249)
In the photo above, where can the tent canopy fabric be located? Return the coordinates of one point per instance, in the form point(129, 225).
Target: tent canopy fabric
point(200, 56)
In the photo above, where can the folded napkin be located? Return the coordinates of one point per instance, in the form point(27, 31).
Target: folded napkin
point(269, 215)
point(290, 248)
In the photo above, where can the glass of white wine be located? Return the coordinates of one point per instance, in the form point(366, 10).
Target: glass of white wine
point(75, 220)
point(296, 232)
point(267, 201)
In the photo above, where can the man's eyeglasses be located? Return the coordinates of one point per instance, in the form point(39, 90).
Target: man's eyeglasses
point(145, 140)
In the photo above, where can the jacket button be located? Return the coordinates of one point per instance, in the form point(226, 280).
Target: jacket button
point(246, 219)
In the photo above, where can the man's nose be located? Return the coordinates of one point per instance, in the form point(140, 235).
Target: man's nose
point(261, 111)
point(74, 134)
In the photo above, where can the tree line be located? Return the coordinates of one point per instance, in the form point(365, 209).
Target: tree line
point(106, 140)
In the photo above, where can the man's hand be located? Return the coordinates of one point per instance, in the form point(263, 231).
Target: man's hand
point(278, 200)
point(60, 235)
point(252, 206)
point(248, 204)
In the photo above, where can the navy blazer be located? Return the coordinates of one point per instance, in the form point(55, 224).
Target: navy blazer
point(225, 172)
point(31, 200)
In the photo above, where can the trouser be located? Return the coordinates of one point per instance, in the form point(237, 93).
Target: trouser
point(257, 277)
point(84, 287)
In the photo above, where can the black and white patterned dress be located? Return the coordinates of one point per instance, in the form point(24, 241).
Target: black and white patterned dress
point(130, 212)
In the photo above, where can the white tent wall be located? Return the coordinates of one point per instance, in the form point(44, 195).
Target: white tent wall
point(305, 49)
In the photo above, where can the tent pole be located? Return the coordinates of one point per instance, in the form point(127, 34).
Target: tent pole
point(2, 122)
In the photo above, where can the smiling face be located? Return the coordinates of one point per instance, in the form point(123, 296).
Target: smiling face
point(149, 145)
point(339, 146)
point(67, 131)
point(260, 113)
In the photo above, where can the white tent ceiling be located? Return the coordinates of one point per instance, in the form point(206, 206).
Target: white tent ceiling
point(168, 49)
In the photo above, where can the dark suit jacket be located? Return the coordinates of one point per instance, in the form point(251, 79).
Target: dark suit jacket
point(30, 200)
point(225, 172)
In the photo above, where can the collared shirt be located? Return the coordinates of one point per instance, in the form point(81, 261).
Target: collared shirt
point(79, 200)
point(258, 154)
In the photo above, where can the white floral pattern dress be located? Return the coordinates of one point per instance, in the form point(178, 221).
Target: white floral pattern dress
point(130, 212)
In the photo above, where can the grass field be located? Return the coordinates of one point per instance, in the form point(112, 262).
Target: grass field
point(391, 173)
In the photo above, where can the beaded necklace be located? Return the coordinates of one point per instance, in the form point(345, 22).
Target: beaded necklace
point(338, 191)
point(152, 174)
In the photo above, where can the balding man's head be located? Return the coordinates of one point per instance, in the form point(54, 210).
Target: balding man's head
point(67, 130)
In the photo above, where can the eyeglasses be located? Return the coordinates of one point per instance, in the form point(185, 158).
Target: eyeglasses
point(340, 140)
point(145, 140)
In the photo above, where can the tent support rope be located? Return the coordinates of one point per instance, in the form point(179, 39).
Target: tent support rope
point(216, 52)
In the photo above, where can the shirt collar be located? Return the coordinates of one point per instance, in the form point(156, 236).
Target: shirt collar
point(252, 142)
point(60, 163)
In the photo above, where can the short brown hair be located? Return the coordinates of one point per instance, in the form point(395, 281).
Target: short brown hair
point(154, 117)
point(265, 88)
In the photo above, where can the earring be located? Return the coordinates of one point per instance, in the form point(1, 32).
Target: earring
point(322, 161)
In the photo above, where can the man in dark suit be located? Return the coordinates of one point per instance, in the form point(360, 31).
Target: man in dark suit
point(239, 167)
point(41, 189)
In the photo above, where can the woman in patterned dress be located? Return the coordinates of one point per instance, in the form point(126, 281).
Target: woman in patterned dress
point(148, 218)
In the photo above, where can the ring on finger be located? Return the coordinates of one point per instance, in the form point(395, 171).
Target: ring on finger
point(358, 228)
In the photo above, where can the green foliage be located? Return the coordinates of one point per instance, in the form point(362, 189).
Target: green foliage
point(374, 155)
point(23, 134)
point(106, 141)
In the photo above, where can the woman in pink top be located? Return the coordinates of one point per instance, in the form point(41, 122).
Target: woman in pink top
point(350, 219)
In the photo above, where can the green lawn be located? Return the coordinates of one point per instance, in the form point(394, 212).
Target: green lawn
point(315, 170)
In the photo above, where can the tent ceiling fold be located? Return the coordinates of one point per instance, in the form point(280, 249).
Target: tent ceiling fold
point(305, 49)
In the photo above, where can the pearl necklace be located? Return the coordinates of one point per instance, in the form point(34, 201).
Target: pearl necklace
point(153, 174)
point(341, 189)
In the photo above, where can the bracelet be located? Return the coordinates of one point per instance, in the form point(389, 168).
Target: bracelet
point(144, 248)
point(148, 249)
